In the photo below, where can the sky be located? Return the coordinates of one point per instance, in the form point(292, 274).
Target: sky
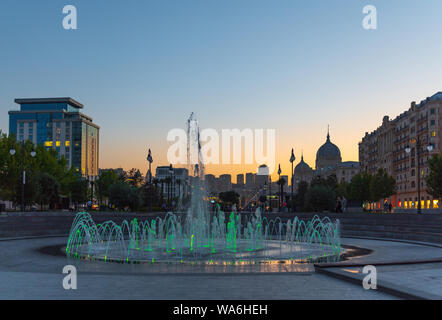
point(140, 67)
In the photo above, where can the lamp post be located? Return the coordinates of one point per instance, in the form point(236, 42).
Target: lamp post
point(23, 182)
point(417, 141)
point(170, 184)
point(280, 186)
point(149, 181)
point(292, 159)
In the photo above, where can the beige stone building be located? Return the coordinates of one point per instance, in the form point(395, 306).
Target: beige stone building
point(328, 162)
point(387, 147)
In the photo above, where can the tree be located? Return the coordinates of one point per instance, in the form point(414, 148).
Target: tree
point(382, 185)
point(301, 194)
point(434, 178)
point(48, 190)
point(103, 183)
point(45, 161)
point(320, 198)
point(229, 197)
point(150, 195)
point(343, 189)
point(331, 181)
point(281, 182)
point(359, 188)
point(134, 177)
point(124, 195)
point(78, 190)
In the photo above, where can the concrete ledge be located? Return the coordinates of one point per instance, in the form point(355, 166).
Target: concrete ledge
point(383, 286)
point(392, 227)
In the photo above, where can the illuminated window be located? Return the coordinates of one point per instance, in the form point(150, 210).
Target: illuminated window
point(57, 143)
point(433, 133)
point(67, 143)
point(436, 204)
point(48, 143)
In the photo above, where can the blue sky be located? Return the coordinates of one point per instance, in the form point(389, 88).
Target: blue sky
point(140, 67)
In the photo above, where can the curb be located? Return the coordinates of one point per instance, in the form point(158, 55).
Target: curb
point(35, 237)
point(382, 286)
point(422, 243)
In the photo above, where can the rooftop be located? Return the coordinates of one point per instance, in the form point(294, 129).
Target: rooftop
point(67, 100)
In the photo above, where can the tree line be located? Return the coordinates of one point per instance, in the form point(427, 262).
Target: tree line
point(322, 193)
point(49, 181)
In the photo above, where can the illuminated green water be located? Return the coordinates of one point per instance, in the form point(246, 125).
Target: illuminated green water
point(237, 238)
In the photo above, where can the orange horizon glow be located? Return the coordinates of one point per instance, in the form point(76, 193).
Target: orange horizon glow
point(348, 147)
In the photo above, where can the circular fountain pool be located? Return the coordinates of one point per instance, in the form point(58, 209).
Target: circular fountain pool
point(208, 239)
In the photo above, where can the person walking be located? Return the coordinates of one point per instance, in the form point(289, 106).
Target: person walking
point(344, 204)
point(338, 205)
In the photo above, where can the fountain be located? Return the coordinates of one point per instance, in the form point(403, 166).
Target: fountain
point(203, 236)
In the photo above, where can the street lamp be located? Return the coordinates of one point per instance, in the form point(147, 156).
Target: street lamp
point(149, 181)
point(150, 160)
point(418, 154)
point(292, 159)
point(33, 154)
point(170, 182)
point(280, 186)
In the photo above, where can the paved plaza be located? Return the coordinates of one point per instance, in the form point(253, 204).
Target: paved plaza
point(28, 272)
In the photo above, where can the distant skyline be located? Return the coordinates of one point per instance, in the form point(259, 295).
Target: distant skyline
point(141, 67)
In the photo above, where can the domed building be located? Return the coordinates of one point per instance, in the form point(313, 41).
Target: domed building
point(302, 172)
point(328, 158)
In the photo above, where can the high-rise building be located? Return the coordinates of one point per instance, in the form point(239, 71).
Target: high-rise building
point(58, 123)
point(225, 182)
point(211, 184)
point(240, 179)
point(262, 177)
point(386, 148)
point(250, 181)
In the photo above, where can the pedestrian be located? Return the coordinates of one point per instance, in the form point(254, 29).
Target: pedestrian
point(385, 206)
point(338, 205)
point(344, 204)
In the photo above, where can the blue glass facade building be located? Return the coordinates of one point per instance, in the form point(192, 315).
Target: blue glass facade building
point(58, 123)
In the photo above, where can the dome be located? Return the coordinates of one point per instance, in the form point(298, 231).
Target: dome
point(328, 151)
point(302, 167)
